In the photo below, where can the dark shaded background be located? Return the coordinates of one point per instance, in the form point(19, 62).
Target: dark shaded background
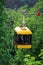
point(18, 3)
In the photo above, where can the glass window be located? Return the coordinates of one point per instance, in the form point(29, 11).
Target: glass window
point(24, 39)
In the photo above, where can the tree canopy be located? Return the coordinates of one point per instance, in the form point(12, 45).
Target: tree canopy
point(9, 19)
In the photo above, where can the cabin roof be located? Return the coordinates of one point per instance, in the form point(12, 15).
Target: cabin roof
point(22, 30)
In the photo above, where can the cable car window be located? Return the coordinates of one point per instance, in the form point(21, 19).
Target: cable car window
point(24, 39)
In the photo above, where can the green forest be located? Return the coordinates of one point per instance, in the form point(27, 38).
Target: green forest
point(9, 19)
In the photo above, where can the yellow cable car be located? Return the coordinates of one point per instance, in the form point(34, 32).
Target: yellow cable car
point(22, 36)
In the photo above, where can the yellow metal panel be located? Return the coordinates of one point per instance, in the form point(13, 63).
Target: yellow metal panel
point(24, 32)
point(24, 46)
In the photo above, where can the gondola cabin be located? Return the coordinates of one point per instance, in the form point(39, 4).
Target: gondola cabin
point(22, 37)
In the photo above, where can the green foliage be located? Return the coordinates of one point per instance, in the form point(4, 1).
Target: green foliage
point(30, 60)
point(8, 20)
point(41, 54)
